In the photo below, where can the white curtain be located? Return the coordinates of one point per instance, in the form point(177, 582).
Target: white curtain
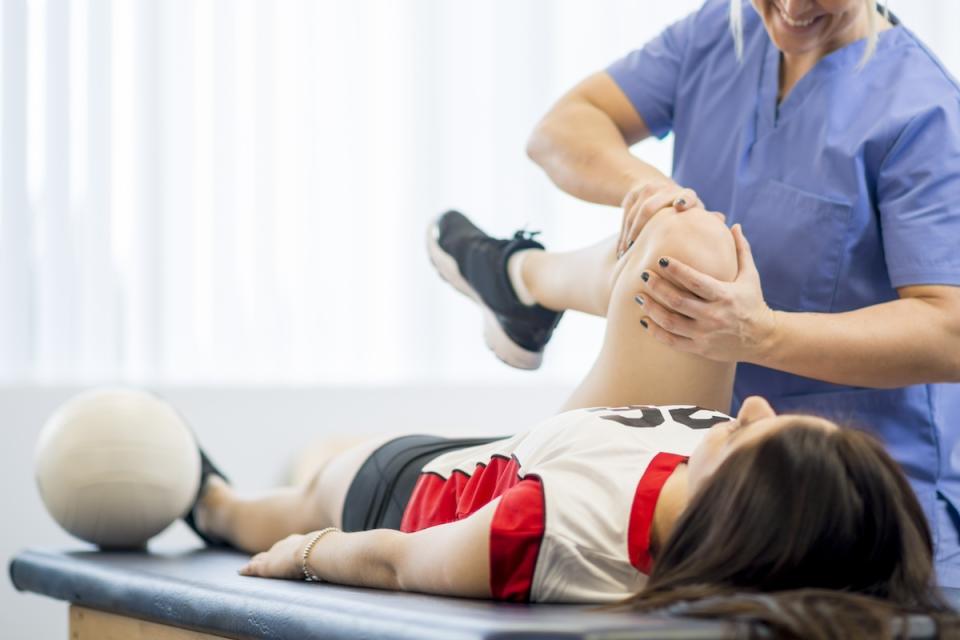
point(220, 191)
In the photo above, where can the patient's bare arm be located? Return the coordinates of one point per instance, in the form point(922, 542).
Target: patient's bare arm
point(449, 559)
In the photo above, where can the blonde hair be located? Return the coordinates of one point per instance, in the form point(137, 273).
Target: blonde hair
point(736, 27)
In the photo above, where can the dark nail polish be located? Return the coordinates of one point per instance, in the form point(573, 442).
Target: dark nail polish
point(630, 245)
point(644, 323)
point(664, 262)
point(639, 299)
point(644, 276)
point(681, 202)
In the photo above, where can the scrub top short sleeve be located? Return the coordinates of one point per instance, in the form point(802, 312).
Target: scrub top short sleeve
point(918, 191)
point(649, 76)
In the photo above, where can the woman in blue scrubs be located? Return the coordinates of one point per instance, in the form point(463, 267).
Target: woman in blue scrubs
point(829, 136)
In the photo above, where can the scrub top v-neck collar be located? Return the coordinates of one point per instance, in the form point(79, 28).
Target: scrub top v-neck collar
point(773, 113)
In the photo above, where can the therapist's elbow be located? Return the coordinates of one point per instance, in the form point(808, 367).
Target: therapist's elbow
point(955, 369)
point(547, 137)
point(937, 345)
point(952, 346)
point(941, 363)
point(947, 362)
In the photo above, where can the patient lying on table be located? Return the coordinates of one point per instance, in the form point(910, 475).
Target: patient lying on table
point(641, 490)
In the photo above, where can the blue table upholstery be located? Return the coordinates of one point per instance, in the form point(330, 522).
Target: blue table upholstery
point(200, 589)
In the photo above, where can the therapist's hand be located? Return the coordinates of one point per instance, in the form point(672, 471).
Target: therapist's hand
point(693, 312)
point(643, 201)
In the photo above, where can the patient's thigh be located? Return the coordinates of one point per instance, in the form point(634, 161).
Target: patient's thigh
point(333, 472)
point(632, 366)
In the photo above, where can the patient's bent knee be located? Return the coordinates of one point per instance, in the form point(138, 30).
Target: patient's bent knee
point(697, 238)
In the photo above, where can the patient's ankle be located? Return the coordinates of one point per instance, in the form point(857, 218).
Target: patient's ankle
point(212, 511)
point(515, 274)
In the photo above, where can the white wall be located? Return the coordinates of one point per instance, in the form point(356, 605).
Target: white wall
point(211, 191)
point(251, 433)
point(236, 191)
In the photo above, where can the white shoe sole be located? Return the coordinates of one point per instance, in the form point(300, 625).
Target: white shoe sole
point(493, 334)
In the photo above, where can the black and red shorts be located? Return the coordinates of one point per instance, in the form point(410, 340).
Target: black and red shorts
point(382, 487)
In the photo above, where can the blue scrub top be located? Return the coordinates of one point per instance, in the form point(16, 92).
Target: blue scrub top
point(847, 190)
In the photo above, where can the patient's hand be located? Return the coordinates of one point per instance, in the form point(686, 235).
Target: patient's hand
point(282, 560)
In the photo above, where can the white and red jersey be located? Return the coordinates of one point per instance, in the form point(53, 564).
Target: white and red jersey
point(577, 495)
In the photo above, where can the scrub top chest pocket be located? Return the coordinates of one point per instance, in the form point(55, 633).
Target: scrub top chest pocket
point(798, 241)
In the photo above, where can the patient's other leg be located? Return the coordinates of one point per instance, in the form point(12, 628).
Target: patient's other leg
point(632, 367)
point(254, 523)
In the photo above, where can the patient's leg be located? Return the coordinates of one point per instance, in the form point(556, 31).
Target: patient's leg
point(632, 367)
point(580, 280)
point(254, 523)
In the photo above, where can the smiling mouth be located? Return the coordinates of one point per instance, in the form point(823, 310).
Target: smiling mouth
point(797, 24)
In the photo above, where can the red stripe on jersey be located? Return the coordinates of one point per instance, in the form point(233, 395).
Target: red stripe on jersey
point(437, 500)
point(644, 503)
point(515, 536)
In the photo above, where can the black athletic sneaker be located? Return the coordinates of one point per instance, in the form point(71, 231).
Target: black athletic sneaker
point(207, 469)
point(476, 265)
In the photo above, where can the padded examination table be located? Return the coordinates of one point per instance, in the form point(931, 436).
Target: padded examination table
point(199, 590)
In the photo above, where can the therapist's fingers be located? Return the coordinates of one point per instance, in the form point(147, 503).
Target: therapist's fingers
point(686, 199)
point(675, 323)
point(643, 202)
point(744, 254)
point(698, 283)
point(680, 200)
point(636, 212)
point(633, 231)
point(631, 206)
point(667, 294)
point(672, 340)
point(644, 207)
point(627, 205)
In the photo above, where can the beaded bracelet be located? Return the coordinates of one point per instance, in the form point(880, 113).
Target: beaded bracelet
point(309, 575)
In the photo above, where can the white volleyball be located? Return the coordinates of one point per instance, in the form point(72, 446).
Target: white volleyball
point(115, 467)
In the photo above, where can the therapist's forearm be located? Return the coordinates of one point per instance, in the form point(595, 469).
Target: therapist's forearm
point(584, 154)
point(894, 344)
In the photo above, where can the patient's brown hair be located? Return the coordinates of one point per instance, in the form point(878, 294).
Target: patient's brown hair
point(814, 533)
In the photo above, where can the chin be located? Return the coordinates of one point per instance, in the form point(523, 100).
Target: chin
point(792, 48)
point(793, 44)
point(827, 24)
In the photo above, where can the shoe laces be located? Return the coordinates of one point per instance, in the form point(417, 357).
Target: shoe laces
point(524, 234)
